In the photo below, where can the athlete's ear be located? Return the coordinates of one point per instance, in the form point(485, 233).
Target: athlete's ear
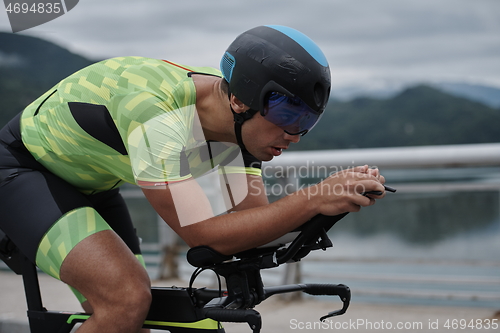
point(238, 106)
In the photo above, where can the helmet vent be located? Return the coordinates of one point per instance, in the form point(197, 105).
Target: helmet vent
point(227, 65)
point(319, 94)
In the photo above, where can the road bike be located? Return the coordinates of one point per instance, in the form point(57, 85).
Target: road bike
point(201, 310)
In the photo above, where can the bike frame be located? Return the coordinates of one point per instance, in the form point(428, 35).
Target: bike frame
point(181, 310)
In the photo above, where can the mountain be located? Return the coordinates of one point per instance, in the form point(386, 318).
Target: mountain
point(38, 60)
point(30, 66)
point(479, 93)
point(419, 115)
point(488, 95)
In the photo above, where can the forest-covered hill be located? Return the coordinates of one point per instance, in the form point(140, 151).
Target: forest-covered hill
point(28, 67)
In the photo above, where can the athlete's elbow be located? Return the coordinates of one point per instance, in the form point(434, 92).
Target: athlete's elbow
point(220, 248)
point(194, 239)
point(201, 234)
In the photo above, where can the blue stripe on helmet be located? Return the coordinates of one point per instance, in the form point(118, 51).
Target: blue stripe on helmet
point(307, 43)
point(227, 65)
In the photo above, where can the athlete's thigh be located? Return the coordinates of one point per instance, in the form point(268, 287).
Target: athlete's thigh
point(31, 202)
point(104, 270)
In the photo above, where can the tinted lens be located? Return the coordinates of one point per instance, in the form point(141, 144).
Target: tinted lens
point(290, 114)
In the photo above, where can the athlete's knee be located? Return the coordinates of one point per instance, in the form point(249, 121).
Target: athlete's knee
point(125, 295)
point(137, 295)
point(128, 304)
point(130, 295)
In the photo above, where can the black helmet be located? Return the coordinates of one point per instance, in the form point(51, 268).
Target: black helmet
point(276, 59)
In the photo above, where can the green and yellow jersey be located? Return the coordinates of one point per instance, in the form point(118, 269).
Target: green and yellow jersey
point(128, 119)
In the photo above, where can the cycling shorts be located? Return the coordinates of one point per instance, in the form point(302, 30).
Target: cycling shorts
point(45, 216)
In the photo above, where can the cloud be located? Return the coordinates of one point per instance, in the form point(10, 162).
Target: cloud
point(368, 43)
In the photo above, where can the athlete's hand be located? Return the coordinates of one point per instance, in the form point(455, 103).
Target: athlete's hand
point(345, 191)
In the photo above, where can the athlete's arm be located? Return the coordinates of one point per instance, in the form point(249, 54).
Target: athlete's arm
point(186, 209)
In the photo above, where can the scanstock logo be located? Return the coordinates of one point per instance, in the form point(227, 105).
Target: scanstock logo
point(25, 14)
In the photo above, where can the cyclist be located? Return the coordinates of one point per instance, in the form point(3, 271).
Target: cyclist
point(161, 125)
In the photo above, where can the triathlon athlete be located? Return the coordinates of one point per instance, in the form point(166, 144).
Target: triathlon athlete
point(162, 125)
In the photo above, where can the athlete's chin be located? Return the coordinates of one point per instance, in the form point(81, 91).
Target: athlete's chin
point(265, 155)
point(262, 156)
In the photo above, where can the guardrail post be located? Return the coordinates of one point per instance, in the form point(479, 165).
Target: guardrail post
point(292, 272)
point(169, 251)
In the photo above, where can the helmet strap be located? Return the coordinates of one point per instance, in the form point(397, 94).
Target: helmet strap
point(239, 119)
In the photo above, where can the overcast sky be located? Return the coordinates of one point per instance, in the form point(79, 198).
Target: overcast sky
point(370, 44)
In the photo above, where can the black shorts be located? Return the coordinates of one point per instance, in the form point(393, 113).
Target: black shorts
point(32, 199)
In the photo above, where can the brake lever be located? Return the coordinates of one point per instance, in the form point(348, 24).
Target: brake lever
point(336, 313)
point(340, 290)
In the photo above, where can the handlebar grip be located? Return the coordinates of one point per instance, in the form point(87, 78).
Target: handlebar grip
point(329, 289)
point(249, 316)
